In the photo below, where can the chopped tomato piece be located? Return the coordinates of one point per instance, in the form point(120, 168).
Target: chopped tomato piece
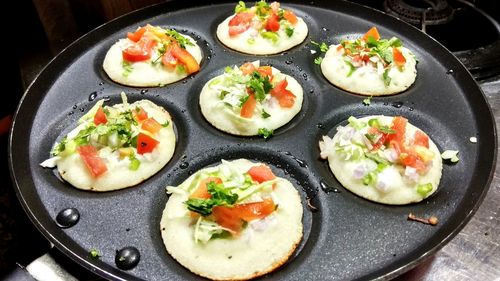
point(202, 190)
point(248, 107)
point(247, 68)
point(100, 117)
point(151, 125)
point(261, 173)
point(185, 58)
point(399, 59)
point(273, 23)
point(420, 138)
point(284, 96)
point(266, 71)
point(399, 128)
point(290, 16)
point(240, 23)
point(410, 158)
point(136, 36)
point(373, 32)
point(237, 29)
point(233, 217)
point(145, 143)
point(241, 18)
point(339, 48)
point(140, 114)
point(140, 51)
point(168, 60)
point(93, 162)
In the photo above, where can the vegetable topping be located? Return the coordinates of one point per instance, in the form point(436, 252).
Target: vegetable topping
point(248, 90)
point(160, 45)
point(376, 146)
point(124, 132)
point(264, 19)
point(225, 199)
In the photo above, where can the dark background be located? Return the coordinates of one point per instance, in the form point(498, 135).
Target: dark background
point(48, 26)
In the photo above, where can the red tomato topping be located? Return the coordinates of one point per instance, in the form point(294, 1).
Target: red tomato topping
point(261, 173)
point(399, 127)
point(240, 23)
point(399, 59)
point(247, 68)
point(248, 107)
point(140, 51)
point(420, 138)
point(411, 159)
point(185, 58)
point(232, 218)
point(140, 114)
point(373, 32)
point(284, 96)
point(151, 125)
point(290, 16)
point(266, 71)
point(136, 36)
point(168, 60)
point(100, 117)
point(273, 23)
point(202, 191)
point(93, 162)
point(145, 143)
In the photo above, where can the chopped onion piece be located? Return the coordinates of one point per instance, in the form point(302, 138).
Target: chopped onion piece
point(450, 155)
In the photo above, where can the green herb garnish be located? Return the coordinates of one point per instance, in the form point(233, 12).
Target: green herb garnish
point(260, 85)
point(289, 31)
point(183, 41)
point(367, 102)
point(94, 254)
point(323, 47)
point(265, 114)
point(318, 60)
point(265, 133)
point(220, 197)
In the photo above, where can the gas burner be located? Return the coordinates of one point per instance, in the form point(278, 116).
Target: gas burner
point(420, 12)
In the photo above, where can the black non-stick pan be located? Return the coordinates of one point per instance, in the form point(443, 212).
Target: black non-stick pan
point(345, 237)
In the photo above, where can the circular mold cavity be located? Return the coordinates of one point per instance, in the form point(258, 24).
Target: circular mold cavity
point(309, 100)
point(68, 217)
point(201, 41)
point(127, 258)
point(281, 165)
point(61, 125)
point(441, 134)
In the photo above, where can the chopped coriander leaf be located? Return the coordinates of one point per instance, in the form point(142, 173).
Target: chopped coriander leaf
point(262, 8)
point(127, 68)
point(243, 100)
point(164, 125)
point(183, 41)
point(265, 133)
point(368, 101)
point(318, 60)
point(265, 114)
point(289, 31)
point(94, 254)
point(260, 85)
point(220, 197)
point(251, 41)
point(323, 47)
